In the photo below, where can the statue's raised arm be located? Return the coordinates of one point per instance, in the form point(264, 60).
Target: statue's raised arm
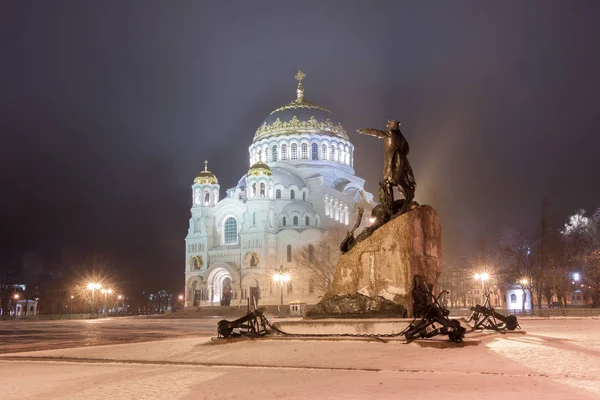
point(374, 132)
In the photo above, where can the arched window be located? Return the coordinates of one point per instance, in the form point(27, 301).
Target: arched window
point(230, 231)
point(266, 154)
point(340, 154)
point(284, 152)
point(324, 152)
point(253, 218)
point(289, 287)
point(307, 220)
point(262, 189)
point(303, 196)
point(311, 285)
point(289, 253)
point(278, 194)
point(294, 149)
point(274, 153)
point(304, 151)
point(206, 198)
point(513, 298)
point(315, 151)
point(283, 222)
point(254, 190)
point(332, 158)
point(292, 195)
point(295, 220)
point(311, 252)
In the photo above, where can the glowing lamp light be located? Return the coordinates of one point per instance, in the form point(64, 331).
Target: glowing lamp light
point(524, 281)
point(180, 297)
point(94, 286)
point(372, 220)
point(576, 276)
point(119, 297)
point(16, 296)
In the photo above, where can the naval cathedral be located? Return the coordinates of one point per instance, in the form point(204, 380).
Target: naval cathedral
point(300, 183)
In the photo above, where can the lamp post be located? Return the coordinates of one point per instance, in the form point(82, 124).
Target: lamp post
point(483, 277)
point(72, 306)
point(93, 287)
point(16, 297)
point(282, 277)
point(524, 282)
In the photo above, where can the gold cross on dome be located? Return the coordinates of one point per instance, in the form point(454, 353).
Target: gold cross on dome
point(299, 76)
point(206, 165)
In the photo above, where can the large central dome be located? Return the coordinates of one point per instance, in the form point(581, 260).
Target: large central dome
point(298, 117)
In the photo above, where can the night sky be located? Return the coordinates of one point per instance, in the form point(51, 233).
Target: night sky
point(108, 110)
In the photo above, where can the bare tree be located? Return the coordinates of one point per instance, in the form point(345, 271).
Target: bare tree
point(321, 258)
point(582, 248)
point(515, 253)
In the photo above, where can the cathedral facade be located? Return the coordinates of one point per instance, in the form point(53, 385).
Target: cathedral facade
point(300, 183)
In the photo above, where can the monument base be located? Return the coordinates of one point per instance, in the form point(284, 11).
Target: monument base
point(382, 268)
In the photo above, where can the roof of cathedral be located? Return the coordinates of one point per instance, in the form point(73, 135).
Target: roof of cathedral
point(206, 177)
point(286, 178)
point(299, 206)
point(300, 116)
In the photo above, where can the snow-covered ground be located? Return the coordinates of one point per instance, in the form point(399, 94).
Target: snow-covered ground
point(557, 359)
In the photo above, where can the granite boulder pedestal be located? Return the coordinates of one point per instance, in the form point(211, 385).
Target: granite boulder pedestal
point(376, 277)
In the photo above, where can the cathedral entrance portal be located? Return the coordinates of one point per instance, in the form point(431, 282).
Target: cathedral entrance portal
point(220, 287)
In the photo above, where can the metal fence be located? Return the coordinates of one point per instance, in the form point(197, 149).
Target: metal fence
point(544, 312)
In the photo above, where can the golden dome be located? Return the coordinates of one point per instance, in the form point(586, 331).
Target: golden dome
point(206, 177)
point(300, 116)
point(260, 169)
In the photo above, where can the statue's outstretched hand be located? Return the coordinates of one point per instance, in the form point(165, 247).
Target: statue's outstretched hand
point(373, 132)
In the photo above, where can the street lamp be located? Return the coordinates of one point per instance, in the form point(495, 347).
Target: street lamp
point(483, 277)
point(523, 281)
point(16, 297)
point(119, 298)
point(72, 297)
point(93, 287)
point(282, 277)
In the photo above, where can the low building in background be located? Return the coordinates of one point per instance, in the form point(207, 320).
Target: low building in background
point(26, 308)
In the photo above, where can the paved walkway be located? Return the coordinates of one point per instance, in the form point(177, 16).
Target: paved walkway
point(557, 359)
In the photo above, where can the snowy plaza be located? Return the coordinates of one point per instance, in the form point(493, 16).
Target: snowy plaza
point(556, 359)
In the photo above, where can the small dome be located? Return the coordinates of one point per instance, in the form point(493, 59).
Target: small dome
point(206, 177)
point(260, 169)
